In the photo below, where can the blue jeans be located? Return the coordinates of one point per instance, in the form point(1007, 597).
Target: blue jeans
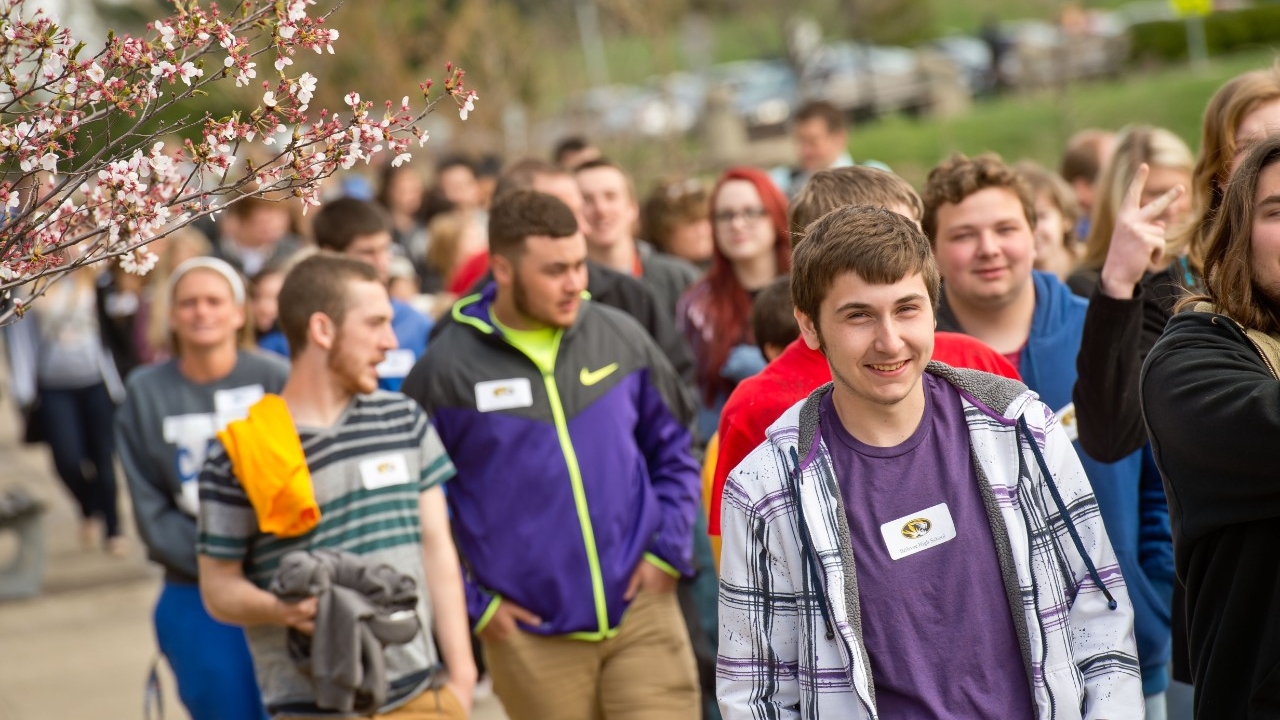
point(77, 424)
point(210, 660)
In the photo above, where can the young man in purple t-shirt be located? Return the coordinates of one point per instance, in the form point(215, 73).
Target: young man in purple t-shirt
point(913, 540)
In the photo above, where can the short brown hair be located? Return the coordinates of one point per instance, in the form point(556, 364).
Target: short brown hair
point(318, 284)
point(673, 202)
point(1083, 160)
point(827, 190)
point(341, 221)
point(1228, 265)
point(607, 163)
point(959, 177)
point(772, 319)
point(522, 213)
point(878, 245)
point(822, 110)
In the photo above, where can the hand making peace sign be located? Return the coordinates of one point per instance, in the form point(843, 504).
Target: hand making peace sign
point(1138, 240)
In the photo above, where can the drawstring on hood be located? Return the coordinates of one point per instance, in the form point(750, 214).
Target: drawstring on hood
point(1062, 510)
point(806, 545)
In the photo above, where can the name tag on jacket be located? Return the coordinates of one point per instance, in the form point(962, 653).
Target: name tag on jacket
point(503, 394)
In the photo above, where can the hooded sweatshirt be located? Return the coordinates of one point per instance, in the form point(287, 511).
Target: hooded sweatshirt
point(1212, 405)
point(1132, 507)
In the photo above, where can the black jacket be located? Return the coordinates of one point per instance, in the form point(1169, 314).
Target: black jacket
point(1212, 406)
point(1118, 334)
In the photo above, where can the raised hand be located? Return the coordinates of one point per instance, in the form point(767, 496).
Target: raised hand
point(1138, 239)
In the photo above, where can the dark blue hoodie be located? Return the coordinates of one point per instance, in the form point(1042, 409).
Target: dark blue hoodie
point(1131, 501)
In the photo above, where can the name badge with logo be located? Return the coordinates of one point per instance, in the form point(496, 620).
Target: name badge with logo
point(234, 403)
point(1067, 417)
point(503, 394)
point(396, 364)
point(918, 531)
point(384, 471)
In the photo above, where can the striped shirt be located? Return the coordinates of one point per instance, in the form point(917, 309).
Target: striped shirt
point(367, 471)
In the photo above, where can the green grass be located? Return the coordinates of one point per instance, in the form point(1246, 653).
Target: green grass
point(1037, 126)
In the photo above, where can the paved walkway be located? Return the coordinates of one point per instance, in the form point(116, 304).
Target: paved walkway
point(81, 650)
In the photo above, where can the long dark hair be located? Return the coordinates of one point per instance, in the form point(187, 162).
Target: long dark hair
point(1228, 266)
point(1237, 97)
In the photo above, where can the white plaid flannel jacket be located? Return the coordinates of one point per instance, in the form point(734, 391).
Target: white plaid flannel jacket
point(790, 628)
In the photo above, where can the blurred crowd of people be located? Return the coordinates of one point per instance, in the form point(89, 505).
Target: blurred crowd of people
point(658, 428)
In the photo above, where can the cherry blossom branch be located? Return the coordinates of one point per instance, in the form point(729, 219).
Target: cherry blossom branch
point(132, 189)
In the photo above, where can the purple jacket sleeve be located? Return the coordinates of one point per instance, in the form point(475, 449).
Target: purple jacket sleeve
point(662, 434)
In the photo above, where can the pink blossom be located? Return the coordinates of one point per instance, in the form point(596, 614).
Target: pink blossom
point(188, 71)
point(468, 105)
point(112, 204)
point(167, 35)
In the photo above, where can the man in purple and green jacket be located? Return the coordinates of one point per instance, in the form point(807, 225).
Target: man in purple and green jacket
point(576, 489)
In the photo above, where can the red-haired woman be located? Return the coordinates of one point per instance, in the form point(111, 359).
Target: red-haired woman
point(752, 247)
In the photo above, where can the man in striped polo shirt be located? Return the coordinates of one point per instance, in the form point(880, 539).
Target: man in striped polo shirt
point(373, 470)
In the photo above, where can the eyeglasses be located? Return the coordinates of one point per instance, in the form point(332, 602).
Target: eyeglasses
point(726, 217)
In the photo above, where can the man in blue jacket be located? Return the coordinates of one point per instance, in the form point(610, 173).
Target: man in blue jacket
point(979, 215)
point(576, 490)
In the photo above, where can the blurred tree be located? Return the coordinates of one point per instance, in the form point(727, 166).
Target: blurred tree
point(891, 22)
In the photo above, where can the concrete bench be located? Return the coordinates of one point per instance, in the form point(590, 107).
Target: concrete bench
point(22, 516)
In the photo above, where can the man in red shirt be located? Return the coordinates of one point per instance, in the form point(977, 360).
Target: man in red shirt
point(759, 400)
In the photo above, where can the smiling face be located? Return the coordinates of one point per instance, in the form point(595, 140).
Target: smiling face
point(985, 247)
point(203, 313)
point(608, 207)
point(1264, 246)
point(743, 231)
point(878, 338)
point(363, 338)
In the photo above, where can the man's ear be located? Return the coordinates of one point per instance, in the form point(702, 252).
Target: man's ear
point(808, 330)
point(504, 271)
point(321, 331)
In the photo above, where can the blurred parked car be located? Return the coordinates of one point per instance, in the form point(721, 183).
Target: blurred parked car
point(608, 110)
point(971, 56)
point(673, 104)
point(866, 80)
point(1044, 54)
point(764, 94)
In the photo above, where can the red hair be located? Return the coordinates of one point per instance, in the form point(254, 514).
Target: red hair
point(728, 303)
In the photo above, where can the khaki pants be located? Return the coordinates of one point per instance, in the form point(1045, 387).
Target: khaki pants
point(439, 704)
point(645, 672)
